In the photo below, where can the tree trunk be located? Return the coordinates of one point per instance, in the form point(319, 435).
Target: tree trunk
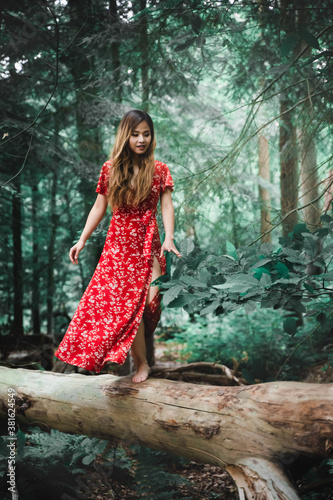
point(264, 195)
point(17, 325)
point(50, 268)
point(138, 7)
point(288, 165)
point(72, 231)
point(309, 180)
point(328, 192)
point(288, 138)
point(309, 168)
point(234, 221)
point(115, 50)
point(251, 431)
point(35, 306)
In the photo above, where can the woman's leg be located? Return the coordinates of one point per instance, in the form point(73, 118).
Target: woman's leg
point(138, 350)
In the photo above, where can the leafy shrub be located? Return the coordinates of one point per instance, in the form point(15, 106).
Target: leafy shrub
point(48, 463)
point(55, 465)
point(294, 277)
point(256, 340)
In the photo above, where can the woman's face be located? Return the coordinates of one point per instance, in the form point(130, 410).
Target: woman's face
point(140, 138)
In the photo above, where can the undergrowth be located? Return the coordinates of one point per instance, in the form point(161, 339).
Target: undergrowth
point(257, 342)
point(60, 466)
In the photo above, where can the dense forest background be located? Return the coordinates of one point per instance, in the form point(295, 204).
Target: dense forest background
point(241, 96)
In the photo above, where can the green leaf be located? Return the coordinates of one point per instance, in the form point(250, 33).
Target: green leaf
point(250, 306)
point(310, 245)
point(238, 283)
point(326, 218)
point(290, 325)
point(288, 281)
point(204, 275)
point(308, 287)
point(262, 262)
point(299, 229)
point(297, 306)
point(265, 280)
point(88, 459)
point(266, 248)
point(161, 279)
point(180, 264)
point(168, 264)
point(211, 308)
point(309, 38)
point(186, 247)
point(171, 294)
point(282, 270)
point(293, 256)
point(231, 250)
point(322, 232)
point(260, 271)
point(182, 300)
point(190, 280)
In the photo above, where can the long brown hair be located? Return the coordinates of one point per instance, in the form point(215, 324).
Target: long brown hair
point(120, 190)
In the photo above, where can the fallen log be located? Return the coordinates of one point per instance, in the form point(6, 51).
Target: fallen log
point(250, 431)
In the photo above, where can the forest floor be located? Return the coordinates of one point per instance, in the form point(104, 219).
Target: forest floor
point(203, 481)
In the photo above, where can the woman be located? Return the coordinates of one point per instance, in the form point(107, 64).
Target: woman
point(119, 307)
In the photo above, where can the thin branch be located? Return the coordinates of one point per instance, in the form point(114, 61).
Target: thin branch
point(291, 212)
point(292, 63)
point(54, 87)
point(236, 149)
point(23, 164)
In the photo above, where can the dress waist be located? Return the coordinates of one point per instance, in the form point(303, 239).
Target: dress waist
point(145, 217)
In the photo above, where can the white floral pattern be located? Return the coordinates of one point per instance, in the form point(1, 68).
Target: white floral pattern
point(109, 313)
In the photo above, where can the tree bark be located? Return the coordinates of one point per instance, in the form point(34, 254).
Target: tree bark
point(309, 179)
point(233, 214)
point(251, 431)
point(115, 50)
point(288, 166)
point(51, 246)
point(139, 6)
point(17, 325)
point(328, 192)
point(309, 168)
point(288, 138)
point(264, 195)
point(35, 299)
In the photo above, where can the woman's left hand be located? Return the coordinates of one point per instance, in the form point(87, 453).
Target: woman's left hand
point(169, 246)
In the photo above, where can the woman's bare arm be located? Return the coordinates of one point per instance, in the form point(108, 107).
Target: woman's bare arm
point(95, 216)
point(168, 215)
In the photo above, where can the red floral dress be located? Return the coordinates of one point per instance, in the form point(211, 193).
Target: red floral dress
point(109, 313)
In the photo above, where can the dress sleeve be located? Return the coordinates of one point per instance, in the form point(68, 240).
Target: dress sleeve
point(166, 179)
point(102, 185)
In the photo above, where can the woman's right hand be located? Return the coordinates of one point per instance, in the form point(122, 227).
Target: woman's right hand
point(75, 250)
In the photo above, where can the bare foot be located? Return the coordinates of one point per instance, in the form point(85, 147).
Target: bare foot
point(142, 373)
